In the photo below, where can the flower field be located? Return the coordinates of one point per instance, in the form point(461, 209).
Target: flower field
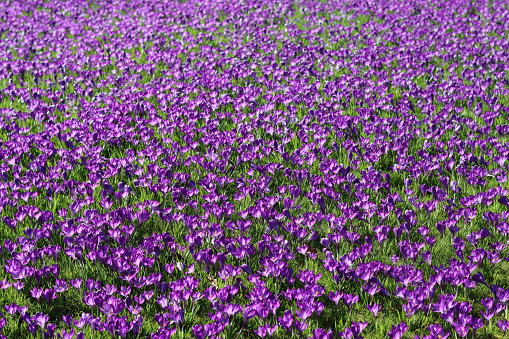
point(254, 168)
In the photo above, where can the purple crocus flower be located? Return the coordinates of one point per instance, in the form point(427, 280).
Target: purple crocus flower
point(374, 308)
point(503, 325)
point(350, 299)
point(397, 331)
point(286, 321)
point(40, 319)
point(436, 331)
point(49, 294)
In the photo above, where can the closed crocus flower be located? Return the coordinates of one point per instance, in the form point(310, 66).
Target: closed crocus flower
point(374, 308)
point(397, 331)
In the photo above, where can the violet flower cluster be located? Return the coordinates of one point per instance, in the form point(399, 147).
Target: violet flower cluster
point(274, 169)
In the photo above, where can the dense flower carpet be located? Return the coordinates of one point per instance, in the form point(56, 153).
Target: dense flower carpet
point(254, 168)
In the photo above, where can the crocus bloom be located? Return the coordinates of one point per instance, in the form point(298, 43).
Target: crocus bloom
point(374, 308)
point(397, 331)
